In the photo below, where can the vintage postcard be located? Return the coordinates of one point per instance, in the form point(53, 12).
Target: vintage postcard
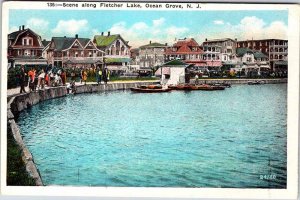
point(150, 99)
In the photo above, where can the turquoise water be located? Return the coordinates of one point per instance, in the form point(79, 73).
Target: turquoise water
point(234, 138)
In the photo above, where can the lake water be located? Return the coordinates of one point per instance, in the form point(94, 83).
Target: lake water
point(234, 138)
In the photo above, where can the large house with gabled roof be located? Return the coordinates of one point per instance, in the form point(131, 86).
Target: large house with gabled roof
point(251, 62)
point(25, 48)
point(152, 55)
point(186, 49)
point(117, 51)
point(74, 52)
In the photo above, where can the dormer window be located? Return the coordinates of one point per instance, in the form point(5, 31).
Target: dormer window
point(27, 41)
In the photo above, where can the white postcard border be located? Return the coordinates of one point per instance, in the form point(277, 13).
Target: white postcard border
point(292, 138)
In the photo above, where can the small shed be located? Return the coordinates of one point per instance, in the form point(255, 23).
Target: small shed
point(173, 72)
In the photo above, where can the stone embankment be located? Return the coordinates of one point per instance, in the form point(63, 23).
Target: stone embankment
point(19, 102)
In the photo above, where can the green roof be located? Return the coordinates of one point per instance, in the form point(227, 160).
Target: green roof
point(258, 54)
point(242, 51)
point(103, 41)
point(155, 44)
point(177, 63)
point(117, 60)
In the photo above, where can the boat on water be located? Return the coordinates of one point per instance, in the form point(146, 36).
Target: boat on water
point(150, 89)
point(196, 87)
point(208, 87)
point(255, 82)
point(227, 85)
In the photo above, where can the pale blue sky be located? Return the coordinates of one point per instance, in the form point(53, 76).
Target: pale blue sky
point(138, 27)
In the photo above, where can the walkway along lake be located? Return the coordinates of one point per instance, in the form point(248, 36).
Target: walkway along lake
point(229, 138)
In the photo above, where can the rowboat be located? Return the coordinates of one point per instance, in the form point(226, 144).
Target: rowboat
point(149, 90)
point(196, 87)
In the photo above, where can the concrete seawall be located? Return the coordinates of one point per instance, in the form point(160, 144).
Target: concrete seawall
point(242, 81)
point(17, 103)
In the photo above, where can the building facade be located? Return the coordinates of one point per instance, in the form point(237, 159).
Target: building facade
point(220, 50)
point(25, 48)
point(73, 52)
point(117, 51)
point(251, 63)
point(186, 49)
point(152, 54)
point(275, 49)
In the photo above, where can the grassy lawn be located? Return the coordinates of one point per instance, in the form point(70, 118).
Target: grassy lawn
point(16, 171)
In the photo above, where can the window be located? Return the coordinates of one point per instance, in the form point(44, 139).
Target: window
point(27, 41)
point(76, 54)
point(27, 52)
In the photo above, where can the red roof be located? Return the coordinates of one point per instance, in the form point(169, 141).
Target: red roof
point(184, 47)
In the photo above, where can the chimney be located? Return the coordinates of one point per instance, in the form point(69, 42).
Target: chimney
point(19, 28)
point(76, 36)
point(205, 39)
point(235, 39)
point(65, 36)
point(150, 42)
point(23, 27)
point(102, 33)
point(166, 44)
point(108, 33)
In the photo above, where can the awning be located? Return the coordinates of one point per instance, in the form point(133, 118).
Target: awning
point(117, 60)
point(31, 62)
point(165, 71)
point(265, 66)
point(206, 63)
point(85, 61)
point(116, 68)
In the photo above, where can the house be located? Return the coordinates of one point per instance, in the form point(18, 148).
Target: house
point(74, 52)
point(221, 50)
point(186, 49)
point(117, 51)
point(251, 63)
point(173, 72)
point(135, 61)
point(275, 49)
point(25, 48)
point(152, 54)
point(46, 45)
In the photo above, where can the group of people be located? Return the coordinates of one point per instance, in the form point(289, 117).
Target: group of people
point(53, 76)
point(44, 77)
point(102, 75)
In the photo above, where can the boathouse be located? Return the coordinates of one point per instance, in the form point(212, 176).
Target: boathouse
point(172, 72)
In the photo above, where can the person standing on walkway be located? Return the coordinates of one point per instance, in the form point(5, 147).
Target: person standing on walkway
point(85, 76)
point(108, 75)
point(81, 74)
point(104, 74)
point(99, 76)
point(63, 77)
point(22, 80)
point(73, 75)
point(31, 75)
point(196, 79)
point(41, 78)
